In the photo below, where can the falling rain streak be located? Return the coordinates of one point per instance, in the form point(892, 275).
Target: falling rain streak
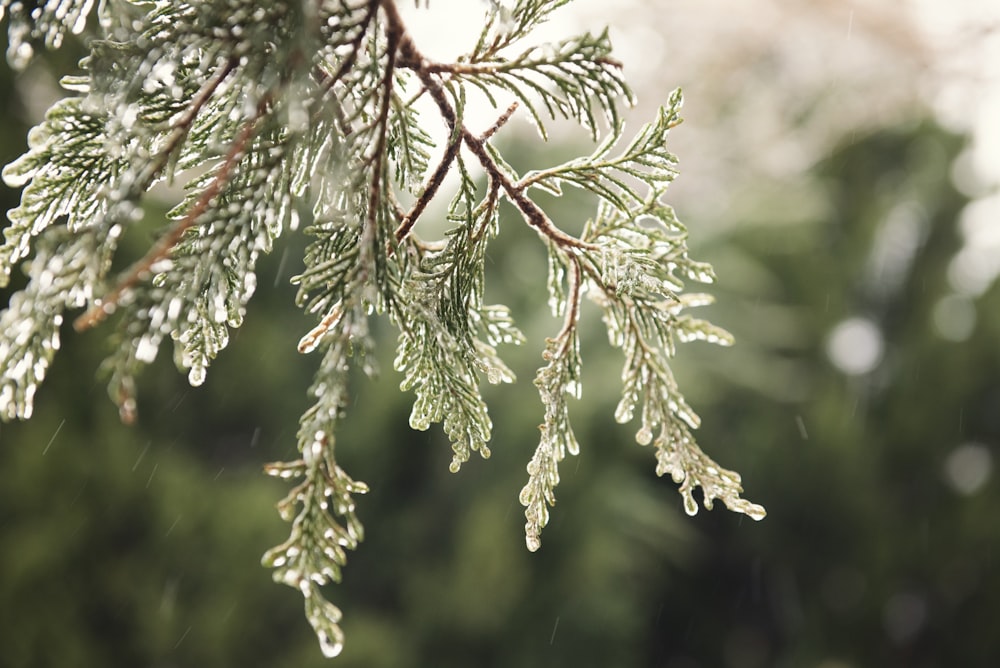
point(52, 440)
point(800, 423)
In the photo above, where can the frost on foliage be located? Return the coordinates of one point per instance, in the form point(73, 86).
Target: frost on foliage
point(268, 112)
point(321, 506)
point(66, 165)
point(559, 378)
point(49, 22)
point(448, 337)
point(633, 264)
point(58, 275)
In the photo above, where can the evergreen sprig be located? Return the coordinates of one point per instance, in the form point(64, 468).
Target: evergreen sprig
point(448, 337)
point(268, 112)
point(568, 80)
point(559, 378)
point(508, 22)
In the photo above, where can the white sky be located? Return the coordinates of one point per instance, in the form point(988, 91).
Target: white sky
point(869, 61)
point(969, 100)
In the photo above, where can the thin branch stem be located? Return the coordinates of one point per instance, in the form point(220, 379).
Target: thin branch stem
point(532, 213)
point(377, 184)
point(573, 312)
point(429, 190)
point(499, 123)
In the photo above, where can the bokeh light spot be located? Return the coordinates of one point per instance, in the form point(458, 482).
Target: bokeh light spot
point(954, 317)
point(968, 468)
point(855, 346)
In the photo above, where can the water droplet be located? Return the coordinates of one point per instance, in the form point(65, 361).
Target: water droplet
point(196, 376)
point(21, 55)
point(526, 496)
point(314, 450)
point(684, 412)
point(690, 505)
point(27, 407)
point(574, 389)
point(129, 116)
point(623, 413)
point(146, 349)
point(329, 648)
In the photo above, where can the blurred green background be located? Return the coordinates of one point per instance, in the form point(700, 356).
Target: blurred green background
point(861, 404)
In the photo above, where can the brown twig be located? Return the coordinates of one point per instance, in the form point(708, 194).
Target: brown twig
point(532, 213)
point(499, 123)
point(429, 190)
point(573, 312)
point(375, 188)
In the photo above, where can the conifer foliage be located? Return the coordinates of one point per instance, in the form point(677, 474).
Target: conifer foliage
point(268, 112)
